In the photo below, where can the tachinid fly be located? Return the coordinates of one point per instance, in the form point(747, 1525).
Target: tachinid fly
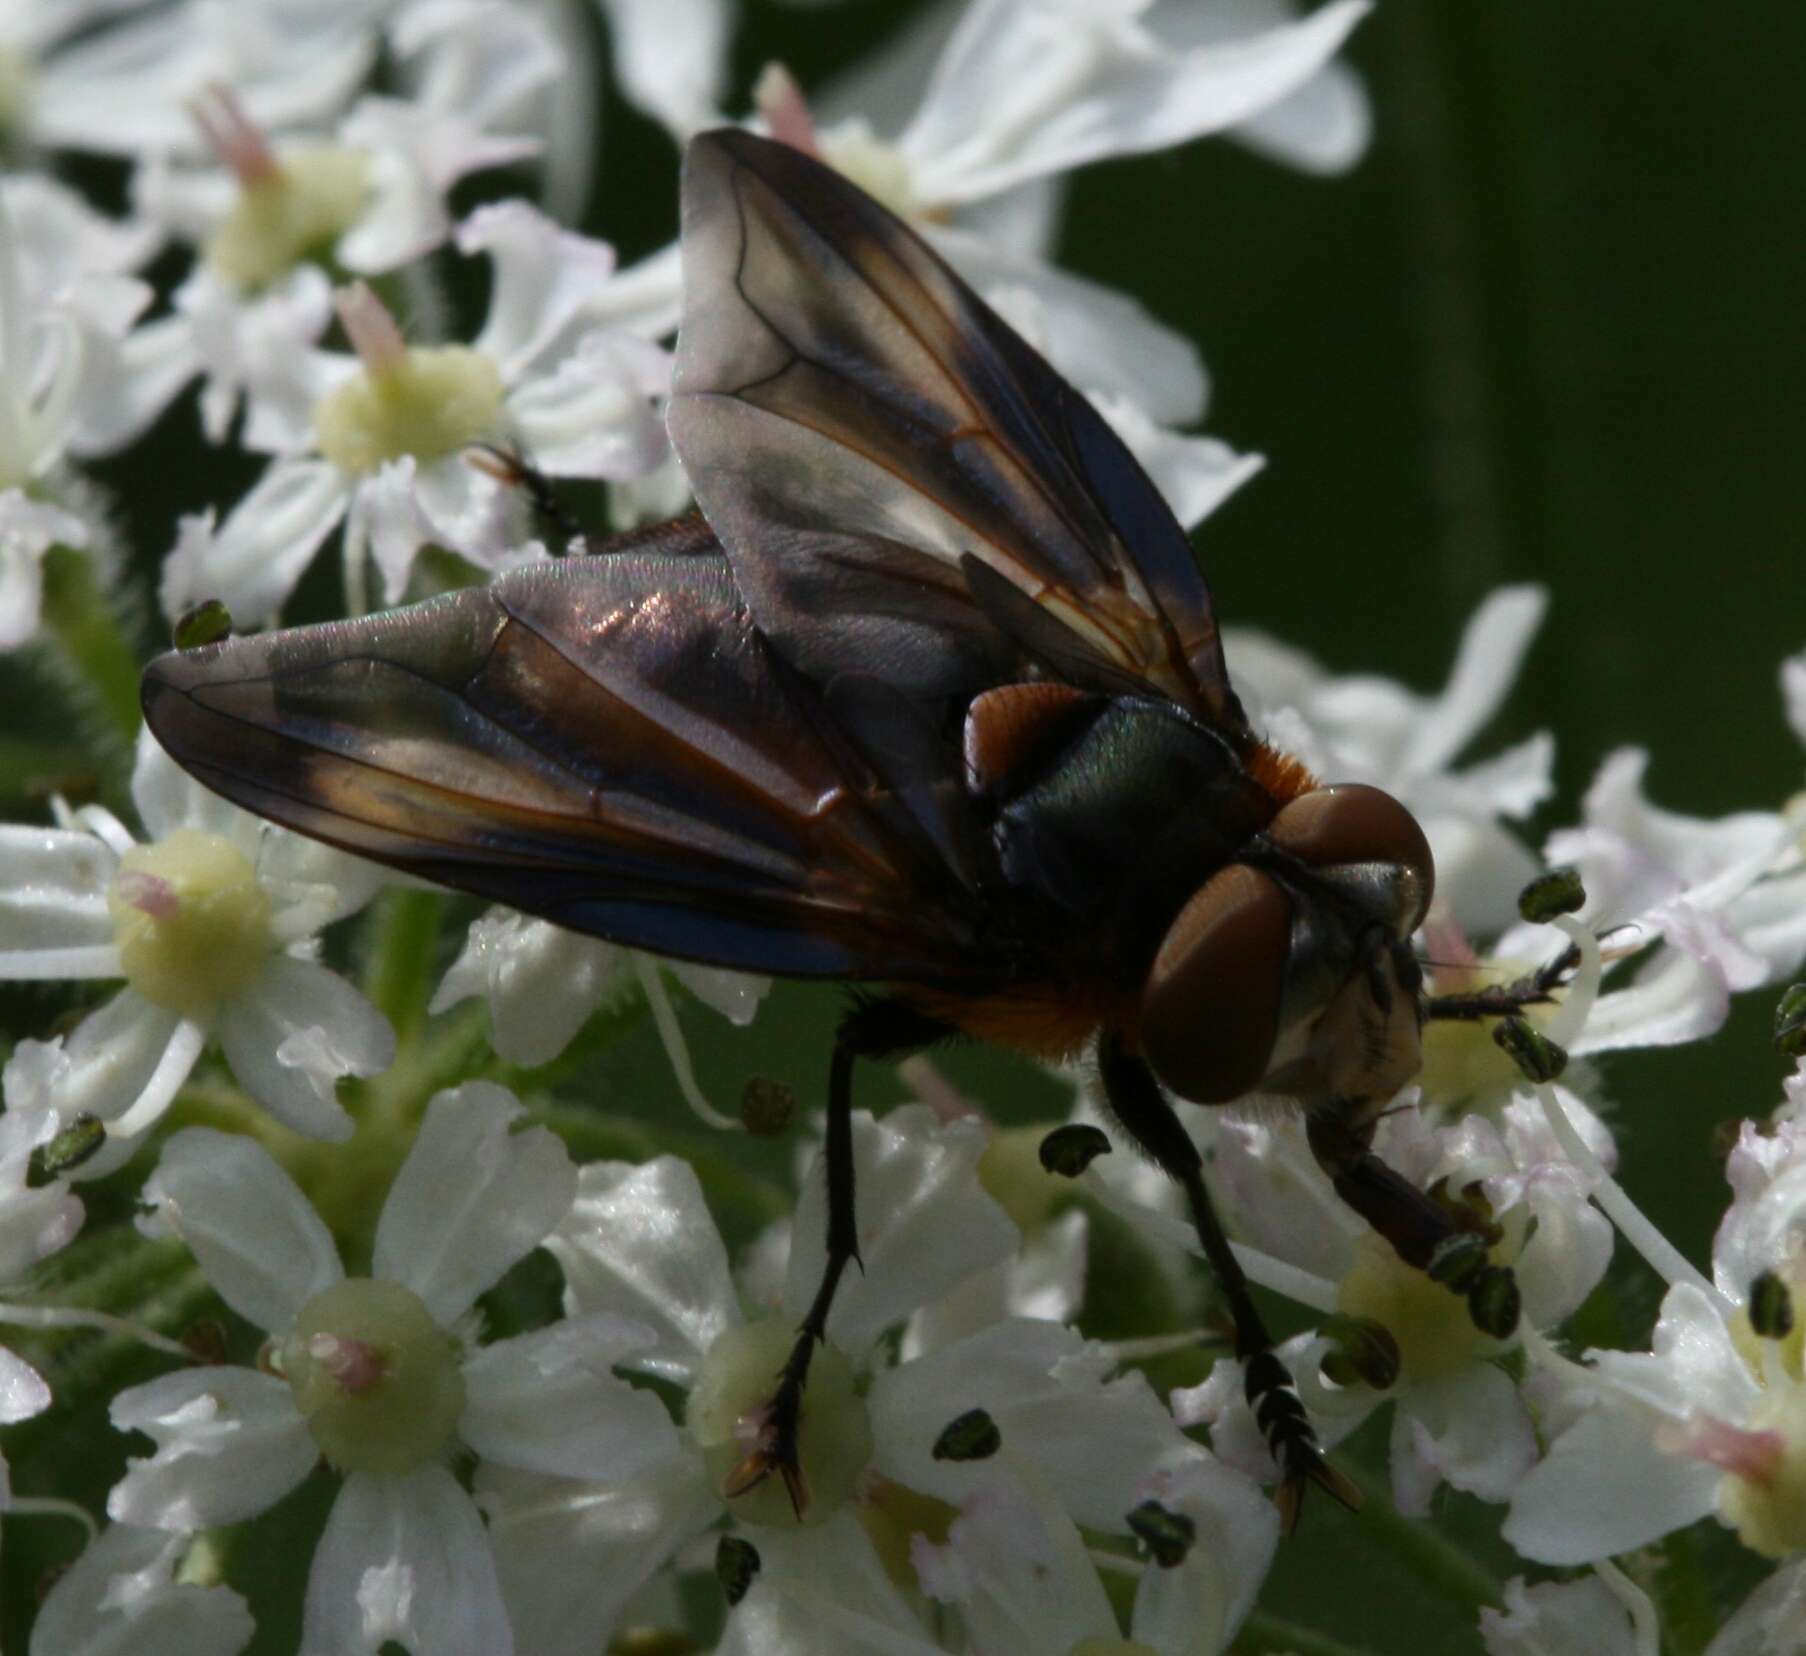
point(930, 696)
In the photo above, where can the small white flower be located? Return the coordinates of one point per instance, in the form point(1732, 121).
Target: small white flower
point(210, 922)
point(1719, 903)
point(1559, 1618)
point(640, 1243)
point(28, 529)
point(1458, 1418)
point(1021, 92)
point(122, 1594)
point(671, 57)
point(1017, 1569)
point(378, 441)
point(1712, 1419)
point(372, 1373)
point(543, 982)
point(117, 78)
point(372, 197)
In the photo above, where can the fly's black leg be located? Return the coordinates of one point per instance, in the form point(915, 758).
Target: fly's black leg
point(1505, 1000)
point(1447, 1242)
point(1144, 1114)
point(512, 468)
point(873, 1029)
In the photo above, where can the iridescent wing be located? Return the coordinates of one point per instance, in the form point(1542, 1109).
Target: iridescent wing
point(607, 742)
point(907, 492)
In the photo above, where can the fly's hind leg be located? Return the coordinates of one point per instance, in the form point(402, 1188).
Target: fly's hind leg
point(1141, 1109)
point(872, 1029)
point(1449, 1244)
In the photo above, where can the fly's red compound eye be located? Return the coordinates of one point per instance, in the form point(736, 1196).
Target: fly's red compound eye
point(1351, 825)
point(1210, 1012)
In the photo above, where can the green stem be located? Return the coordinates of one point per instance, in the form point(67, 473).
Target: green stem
point(1269, 1632)
point(1436, 1562)
point(398, 976)
point(84, 622)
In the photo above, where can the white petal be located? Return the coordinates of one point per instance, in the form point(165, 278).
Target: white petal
point(825, 1592)
point(1492, 650)
point(543, 276)
point(643, 299)
point(1471, 1430)
point(1769, 1621)
point(1026, 91)
point(550, 1402)
point(1198, 1605)
point(925, 1222)
point(472, 1199)
point(121, 1596)
point(571, 1553)
point(167, 797)
point(28, 529)
point(1017, 1571)
point(258, 1239)
point(54, 902)
point(542, 982)
point(124, 1063)
point(404, 1559)
point(671, 57)
point(1676, 998)
point(23, 1391)
point(1793, 692)
point(293, 1033)
point(735, 995)
point(1194, 474)
point(588, 417)
point(1102, 340)
point(1605, 1488)
point(252, 561)
point(1559, 1618)
point(230, 1444)
point(1096, 1439)
point(640, 1242)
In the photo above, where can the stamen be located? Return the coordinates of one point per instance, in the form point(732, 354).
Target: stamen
point(676, 1049)
point(58, 1316)
point(1583, 988)
point(1646, 1628)
point(233, 136)
point(1614, 1201)
point(374, 333)
point(52, 1506)
point(778, 98)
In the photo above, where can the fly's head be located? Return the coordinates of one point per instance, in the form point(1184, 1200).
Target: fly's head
point(1290, 970)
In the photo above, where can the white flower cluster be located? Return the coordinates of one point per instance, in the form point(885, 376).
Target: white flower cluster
point(982, 1478)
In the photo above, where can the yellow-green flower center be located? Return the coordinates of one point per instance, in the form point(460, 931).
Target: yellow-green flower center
point(892, 1516)
point(877, 167)
point(1766, 1504)
point(1011, 1172)
point(1432, 1326)
point(378, 1381)
point(191, 921)
point(291, 215)
point(1111, 1647)
point(730, 1404)
point(1461, 1060)
point(430, 403)
point(16, 79)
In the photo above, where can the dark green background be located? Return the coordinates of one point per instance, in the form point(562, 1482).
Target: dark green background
point(1548, 330)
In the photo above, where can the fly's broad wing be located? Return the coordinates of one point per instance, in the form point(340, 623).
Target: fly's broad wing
point(872, 443)
point(607, 742)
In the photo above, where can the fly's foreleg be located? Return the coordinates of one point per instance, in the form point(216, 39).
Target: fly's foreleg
point(1450, 1245)
point(1141, 1109)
